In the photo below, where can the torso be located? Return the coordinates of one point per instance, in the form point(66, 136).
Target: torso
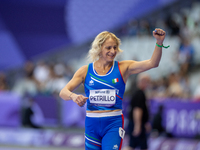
point(122, 66)
point(102, 82)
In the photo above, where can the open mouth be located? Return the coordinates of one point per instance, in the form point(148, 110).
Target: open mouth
point(112, 56)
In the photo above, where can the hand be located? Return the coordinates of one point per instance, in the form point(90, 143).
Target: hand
point(159, 34)
point(79, 99)
point(136, 131)
point(148, 127)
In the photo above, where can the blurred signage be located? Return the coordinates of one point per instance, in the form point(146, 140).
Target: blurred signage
point(181, 119)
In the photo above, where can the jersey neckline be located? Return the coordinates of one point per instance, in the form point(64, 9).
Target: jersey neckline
point(109, 72)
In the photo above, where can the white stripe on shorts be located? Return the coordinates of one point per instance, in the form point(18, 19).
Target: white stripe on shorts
point(105, 114)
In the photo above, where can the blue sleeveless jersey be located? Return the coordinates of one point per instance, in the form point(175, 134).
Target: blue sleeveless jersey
point(104, 89)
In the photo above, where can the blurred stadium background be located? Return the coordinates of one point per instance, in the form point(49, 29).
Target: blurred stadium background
point(43, 42)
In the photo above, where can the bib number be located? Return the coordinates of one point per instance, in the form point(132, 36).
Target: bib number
point(121, 132)
point(103, 97)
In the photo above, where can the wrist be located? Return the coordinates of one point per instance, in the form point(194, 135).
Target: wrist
point(159, 45)
point(137, 127)
point(162, 45)
point(159, 42)
point(137, 124)
point(70, 96)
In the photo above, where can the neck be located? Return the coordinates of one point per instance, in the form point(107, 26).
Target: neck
point(103, 66)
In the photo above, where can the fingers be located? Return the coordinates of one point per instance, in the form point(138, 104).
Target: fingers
point(159, 32)
point(81, 100)
point(135, 133)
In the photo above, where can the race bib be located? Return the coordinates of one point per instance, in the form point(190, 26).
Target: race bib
point(103, 97)
point(121, 132)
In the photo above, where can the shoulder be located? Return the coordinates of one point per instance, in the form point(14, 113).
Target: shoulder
point(127, 63)
point(82, 71)
point(124, 65)
point(84, 68)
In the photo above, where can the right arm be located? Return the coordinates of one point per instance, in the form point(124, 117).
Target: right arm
point(78, 78)
point(137, 119)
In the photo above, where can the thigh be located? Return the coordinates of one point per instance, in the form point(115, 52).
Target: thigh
point(112, 140)
point(113, 134)
point(92, 138)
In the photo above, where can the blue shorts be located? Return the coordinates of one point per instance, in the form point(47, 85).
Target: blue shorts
point(104, 133)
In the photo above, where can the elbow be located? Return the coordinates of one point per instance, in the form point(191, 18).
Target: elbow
point(153, 64)
point(156, 65)
point(61, 94)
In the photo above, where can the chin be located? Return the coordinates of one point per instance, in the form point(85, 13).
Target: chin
point(110, 60)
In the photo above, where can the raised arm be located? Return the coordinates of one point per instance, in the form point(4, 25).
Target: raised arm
point(78, 78)
point(130, 67)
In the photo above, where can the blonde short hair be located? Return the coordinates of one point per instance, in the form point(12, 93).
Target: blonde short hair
point(95, 50)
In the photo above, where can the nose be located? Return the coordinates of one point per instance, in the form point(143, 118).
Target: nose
point(112, 50)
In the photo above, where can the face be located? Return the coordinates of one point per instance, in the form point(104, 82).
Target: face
point(145, 81)
point(109, 50)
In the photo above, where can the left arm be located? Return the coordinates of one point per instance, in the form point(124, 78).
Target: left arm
point(130, 67)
